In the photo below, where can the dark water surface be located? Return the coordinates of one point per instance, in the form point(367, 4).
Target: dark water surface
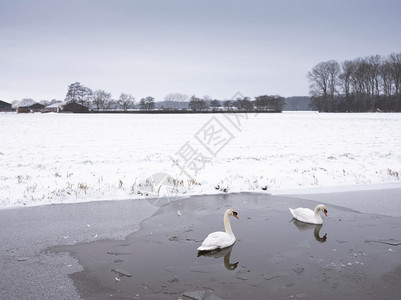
point(351, 256)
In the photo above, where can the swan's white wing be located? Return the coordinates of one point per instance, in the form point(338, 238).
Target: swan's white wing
point(304, 215)
point(217, 240)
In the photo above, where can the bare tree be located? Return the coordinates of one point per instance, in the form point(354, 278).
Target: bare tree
point(26, 102)
point(147, 103)
point(214, 104)
point(269, 103)
point(395, 71)
point(176, 101)
point(244, 104)
point(387, 86)
point(197, 104)
point(345, 78)
point(101, 99)
point(126, 101)
point(227, 104)
point(44, 102)
point(15, 103)
point(324, 82)
point(206, 101)
point(375, 63)
point(79, 94)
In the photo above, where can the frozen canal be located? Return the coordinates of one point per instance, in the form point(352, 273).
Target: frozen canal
point(133, 250)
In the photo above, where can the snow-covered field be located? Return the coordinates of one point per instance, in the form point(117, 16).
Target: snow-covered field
point(59, 158)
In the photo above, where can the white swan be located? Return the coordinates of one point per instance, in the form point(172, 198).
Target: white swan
point(309, 216)
point(220, 239)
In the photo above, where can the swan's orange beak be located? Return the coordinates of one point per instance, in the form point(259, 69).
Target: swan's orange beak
point(325, 212)
point(235, 215)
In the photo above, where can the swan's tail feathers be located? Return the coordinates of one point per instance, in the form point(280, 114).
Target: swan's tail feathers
point(206, 248)
point(292, 212)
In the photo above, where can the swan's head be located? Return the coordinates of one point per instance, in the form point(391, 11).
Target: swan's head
point(324, 209)
point(232, 212)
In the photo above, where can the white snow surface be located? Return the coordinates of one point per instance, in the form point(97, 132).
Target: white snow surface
point(65, 158)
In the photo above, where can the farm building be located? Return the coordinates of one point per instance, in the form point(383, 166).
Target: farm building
point(55, 107)
point(23, 109)
point(75, 108)
point(4, 106)
point(36, 107)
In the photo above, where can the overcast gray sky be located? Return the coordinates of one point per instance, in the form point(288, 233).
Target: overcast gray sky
point(208, 47)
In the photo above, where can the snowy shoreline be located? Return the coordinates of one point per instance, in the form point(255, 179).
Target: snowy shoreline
point(53, 158)
point(305, 193)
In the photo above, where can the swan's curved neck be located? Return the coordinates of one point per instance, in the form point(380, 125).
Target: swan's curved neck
point(317, 208)
point(227, 225)
point(317, 215)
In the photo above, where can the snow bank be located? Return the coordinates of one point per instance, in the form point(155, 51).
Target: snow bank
point(60, 158)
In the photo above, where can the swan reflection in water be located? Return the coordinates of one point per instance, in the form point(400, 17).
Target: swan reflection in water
point(316, 232)
point(225, 252)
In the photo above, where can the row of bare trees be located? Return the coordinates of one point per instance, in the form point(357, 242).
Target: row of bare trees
point(98, 99)
point(266, 103)
point(364, 84)
point(101, 101)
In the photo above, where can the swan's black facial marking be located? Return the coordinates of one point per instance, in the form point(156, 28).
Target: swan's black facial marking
point(235, 214)
point(325, 212)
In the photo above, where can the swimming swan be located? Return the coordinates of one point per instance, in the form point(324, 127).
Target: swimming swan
point(220, 239)
point(309, 216)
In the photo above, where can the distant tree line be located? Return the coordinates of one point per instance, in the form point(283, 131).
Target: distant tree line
point(261, 103)
point(364, 84)
point(99, 100)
